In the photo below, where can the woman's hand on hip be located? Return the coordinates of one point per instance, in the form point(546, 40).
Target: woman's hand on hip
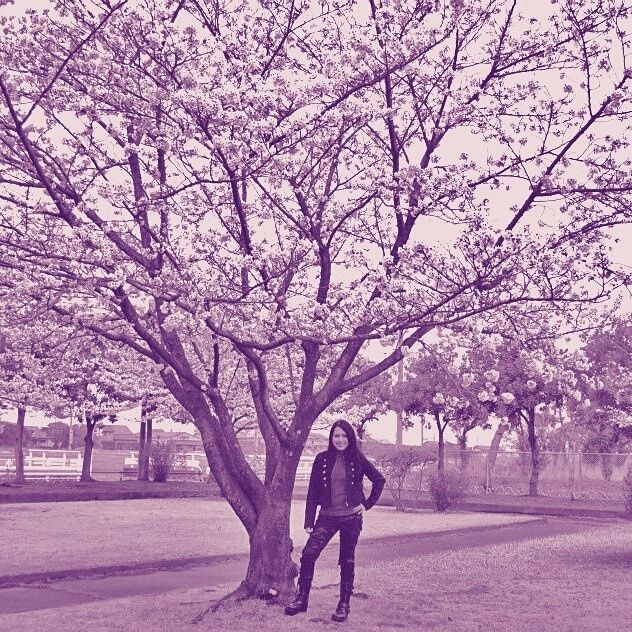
point(309, 529)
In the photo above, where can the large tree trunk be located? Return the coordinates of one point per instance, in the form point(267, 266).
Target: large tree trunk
point(535, 453)
point(19, 446)
point(263, 507)
point(271, 567)
point(87, 451)
point(266, 518)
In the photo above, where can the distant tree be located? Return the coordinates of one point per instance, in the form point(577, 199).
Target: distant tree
point(599, 394)
point(59, 432)
point(604, 387)
point(520, 386)
point(96, 380)
point(25, 373)
point(440, 383)
point(7, 434)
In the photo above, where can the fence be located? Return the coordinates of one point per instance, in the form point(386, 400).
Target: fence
point(51, 465)
point(562, 475)
point(258, 463)
point(123, 465)
point(44, 464)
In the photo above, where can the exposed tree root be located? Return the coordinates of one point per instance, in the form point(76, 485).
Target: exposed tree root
point(241, 593)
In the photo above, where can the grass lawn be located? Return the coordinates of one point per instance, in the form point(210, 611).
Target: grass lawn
point(34, 491)
point(53, 536)
point(571, 583)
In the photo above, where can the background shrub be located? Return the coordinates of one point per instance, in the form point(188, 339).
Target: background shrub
point(627, 492)
point(398, 465)
point(446, 489)
point(163, 458)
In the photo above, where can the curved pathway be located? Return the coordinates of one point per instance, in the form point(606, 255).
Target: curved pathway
point(55, 589)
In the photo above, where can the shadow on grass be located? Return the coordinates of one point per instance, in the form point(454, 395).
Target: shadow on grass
point(602, 558)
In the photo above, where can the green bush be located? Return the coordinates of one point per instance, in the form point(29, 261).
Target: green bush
point(446, 489)
point(163, 458)
point(627, 492)
point(397, 465)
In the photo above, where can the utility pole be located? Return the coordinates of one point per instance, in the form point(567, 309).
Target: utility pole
point(70, 431)
point(399, 437)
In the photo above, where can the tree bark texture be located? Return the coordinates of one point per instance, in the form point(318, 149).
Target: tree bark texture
point(463, 455)
point(535, 453)
point(441, 455)
point(399, 437)
point(145, 440)
point(87, 451)
point(492, 453)
point(270, 565)
point(264, 510)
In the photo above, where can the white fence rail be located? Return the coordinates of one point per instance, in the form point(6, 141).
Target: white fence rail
point(45, 464)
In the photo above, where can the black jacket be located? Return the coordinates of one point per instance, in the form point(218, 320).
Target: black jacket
point(319, 490)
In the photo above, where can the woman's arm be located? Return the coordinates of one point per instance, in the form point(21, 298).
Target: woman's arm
point(377, 482)
point(311, 502)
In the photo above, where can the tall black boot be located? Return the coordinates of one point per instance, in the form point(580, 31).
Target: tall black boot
point(302, 594)
point(347, 572)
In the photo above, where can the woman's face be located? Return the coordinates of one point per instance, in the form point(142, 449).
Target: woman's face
point(340, 439)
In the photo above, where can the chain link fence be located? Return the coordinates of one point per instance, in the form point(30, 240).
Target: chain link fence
point(561, 474)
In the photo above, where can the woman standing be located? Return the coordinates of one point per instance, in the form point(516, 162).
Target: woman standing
point(336, 485)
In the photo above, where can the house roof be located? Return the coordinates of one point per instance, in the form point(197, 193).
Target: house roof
point(117, 432)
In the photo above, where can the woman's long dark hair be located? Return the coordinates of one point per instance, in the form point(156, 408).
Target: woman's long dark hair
point(353, 447)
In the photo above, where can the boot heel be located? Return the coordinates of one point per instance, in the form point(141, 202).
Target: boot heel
point(293, 609)
point(342, 612)
point(299, 604)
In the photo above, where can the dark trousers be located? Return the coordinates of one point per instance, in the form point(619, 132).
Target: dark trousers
point(325, 529)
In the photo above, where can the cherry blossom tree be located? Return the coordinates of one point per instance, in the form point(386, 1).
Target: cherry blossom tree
point(205, 183)
point(608, 353)
point(600, 397)
point(59, 432)
point(440, 383)
point(480, 344)
point(99, 380)
point(521, 386)
point(25, 375)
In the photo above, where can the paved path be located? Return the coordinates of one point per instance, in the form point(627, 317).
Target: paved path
point(55, 593)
